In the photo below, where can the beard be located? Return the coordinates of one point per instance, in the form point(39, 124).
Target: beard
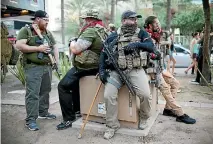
point(129, 28)
point(43, 27)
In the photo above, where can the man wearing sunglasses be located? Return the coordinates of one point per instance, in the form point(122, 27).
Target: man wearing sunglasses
point(34, 40)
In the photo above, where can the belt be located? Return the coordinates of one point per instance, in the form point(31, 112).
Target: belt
point(30, 62)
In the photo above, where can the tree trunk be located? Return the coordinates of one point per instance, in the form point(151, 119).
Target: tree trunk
point(62, 22)
point(79, 18)
point(206, 49)
point(168, 18)
point(136, 6)
point(113, 2)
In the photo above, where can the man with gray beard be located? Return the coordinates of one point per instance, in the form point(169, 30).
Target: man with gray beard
point(132, 41)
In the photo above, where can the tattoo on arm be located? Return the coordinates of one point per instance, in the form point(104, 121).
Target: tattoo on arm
point(83, 44)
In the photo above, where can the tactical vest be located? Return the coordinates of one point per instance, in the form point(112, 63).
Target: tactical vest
point(137, 59)
point(35, 40)
point(153, 65)
point(9, 54)
point(89, 59)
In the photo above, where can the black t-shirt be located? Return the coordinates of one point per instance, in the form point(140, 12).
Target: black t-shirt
point(172, 46)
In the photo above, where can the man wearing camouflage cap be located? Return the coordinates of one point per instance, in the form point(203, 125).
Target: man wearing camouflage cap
point(132, 47)
point(86, 50)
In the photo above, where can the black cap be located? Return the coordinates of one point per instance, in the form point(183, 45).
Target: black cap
point(40, 14)
point(130, 14)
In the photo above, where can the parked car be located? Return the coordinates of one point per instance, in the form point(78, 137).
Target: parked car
point(182, 56)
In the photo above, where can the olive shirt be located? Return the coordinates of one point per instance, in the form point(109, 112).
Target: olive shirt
point(34, 40)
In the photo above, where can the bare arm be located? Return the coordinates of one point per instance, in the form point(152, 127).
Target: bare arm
point(78, 46)
point(23, 47)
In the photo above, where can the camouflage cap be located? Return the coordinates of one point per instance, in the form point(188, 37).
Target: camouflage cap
point(91, 14)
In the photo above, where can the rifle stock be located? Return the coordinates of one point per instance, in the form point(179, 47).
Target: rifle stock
point(41, 54)
point(53, 64)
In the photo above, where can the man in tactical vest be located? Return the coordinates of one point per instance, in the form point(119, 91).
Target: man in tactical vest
point(36, 43)
point(86, 51)
point(167, 84)
point(131, 45)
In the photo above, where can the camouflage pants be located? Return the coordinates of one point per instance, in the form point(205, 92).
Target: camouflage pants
point(38, 87)
point(168, 88)
point(139, 80)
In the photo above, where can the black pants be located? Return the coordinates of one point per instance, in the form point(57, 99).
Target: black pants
point(200, 65)
point(68, 89)
point(193, 70)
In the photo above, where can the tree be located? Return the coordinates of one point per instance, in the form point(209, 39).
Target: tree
point(62, 22)
point(168, 17)
point(190, 20)
point(76, 6)
point(73, 12)
point(206, 49)
point(113, 2)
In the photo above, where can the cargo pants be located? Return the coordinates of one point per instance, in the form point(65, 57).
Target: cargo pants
point(139, 80)
point(38, 87)
point(168, 87)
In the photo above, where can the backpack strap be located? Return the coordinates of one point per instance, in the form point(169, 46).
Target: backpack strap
point(35, 27)
point(29, 30)
point(101, 31)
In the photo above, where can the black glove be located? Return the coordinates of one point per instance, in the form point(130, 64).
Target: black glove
point(103, 76)
point(157, 55)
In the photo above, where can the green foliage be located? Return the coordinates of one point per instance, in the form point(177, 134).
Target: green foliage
point(18, 72)
point(72, 28)
point(191, 20)
point(65, 66)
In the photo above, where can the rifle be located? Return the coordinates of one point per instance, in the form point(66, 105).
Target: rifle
point(113, 61)
point(41, 54)
point(159, 67)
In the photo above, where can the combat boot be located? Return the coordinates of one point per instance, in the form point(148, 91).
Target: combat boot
point(142, 124)
point(109, 133)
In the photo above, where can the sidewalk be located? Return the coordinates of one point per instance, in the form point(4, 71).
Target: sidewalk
point(197, 102)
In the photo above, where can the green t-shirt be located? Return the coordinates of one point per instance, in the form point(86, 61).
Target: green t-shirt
point(34, 40)
point(88, 59)
point(24, 34)
point(91, 35)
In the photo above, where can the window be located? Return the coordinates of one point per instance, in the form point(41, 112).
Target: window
point(179, 50)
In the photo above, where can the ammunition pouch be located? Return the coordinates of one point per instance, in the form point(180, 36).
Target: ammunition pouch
point(87, 57)
point(33, 57)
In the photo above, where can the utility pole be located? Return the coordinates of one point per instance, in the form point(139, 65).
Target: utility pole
point(206, 46)
point(62, 22)
point(113, 3)
point(168, 18)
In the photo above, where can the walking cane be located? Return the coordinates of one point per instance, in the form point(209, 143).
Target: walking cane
point(85, 121)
